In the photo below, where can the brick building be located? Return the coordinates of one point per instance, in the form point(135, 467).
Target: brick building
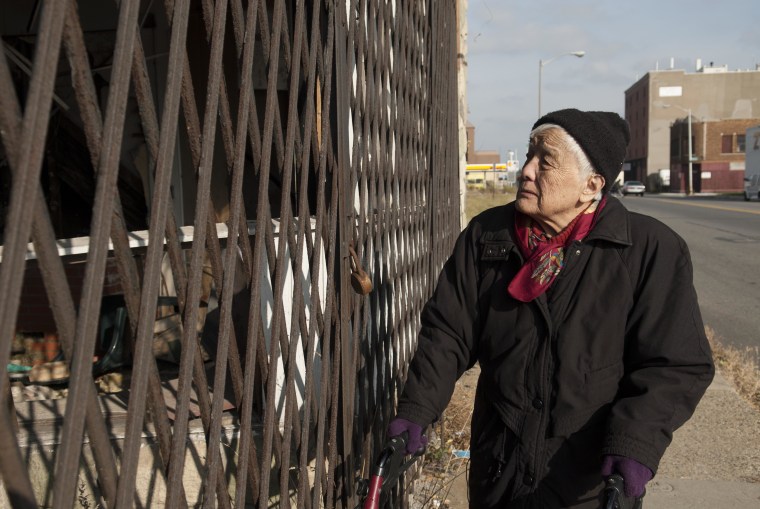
point(661, 97)
point(719, 152)
point(479, 156)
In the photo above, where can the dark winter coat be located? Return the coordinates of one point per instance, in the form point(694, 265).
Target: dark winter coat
point(610, 361)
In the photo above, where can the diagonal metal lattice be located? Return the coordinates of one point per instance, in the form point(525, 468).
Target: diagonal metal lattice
point(244, 161)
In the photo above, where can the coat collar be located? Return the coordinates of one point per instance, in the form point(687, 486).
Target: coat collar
point(613, 225)
point(498, 227)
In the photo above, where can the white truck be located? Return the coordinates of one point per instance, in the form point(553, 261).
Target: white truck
point(752, 164)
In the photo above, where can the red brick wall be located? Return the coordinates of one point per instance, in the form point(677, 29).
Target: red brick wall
point(708, 148)
point(714, 135)
point(722, 179)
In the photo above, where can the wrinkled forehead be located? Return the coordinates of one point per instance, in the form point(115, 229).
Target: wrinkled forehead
point(551, 139)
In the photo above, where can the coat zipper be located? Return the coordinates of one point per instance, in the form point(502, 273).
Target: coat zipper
point(501, 460)
point(544, 381)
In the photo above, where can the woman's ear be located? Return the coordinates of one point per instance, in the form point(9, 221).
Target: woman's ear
point(594, 186)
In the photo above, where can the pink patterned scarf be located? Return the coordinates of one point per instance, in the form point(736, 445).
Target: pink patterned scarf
point(544, 255)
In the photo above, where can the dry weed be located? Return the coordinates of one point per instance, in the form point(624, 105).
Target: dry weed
point(476, 201)
point(442, 466)
point(739, 366)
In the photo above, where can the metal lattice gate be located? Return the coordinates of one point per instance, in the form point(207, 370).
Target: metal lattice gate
point(227, 170)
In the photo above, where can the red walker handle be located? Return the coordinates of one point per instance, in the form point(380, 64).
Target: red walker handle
point(373, 498)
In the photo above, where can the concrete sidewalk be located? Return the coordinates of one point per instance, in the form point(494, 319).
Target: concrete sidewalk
point(714, 460)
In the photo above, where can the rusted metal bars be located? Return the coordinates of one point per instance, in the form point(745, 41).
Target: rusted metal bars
point(152, 272)
point(150, 128)
point(188, 105)
point(80, 382)
point(330, 231)
point(364, 176)
point(246, 449)
point(316, 323)
point(357, 183)
point(389, 236)
point(190, 343)
point(15, 478)
point(448, 56)
point(25, 186)
point(392, 183)
point(54, 279)
point(149, 123)
point(304, 225)
point(56, 285)
point(379, 74)
point(194, 129)
point(278, 327)
point(341, 393)
point(212, 102)
point(89, 309)
point(126, 265)
point(401, 236)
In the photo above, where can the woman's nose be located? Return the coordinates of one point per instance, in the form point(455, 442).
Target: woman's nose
point(528, 171)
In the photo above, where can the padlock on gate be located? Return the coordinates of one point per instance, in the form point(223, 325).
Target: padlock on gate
point(360, 280)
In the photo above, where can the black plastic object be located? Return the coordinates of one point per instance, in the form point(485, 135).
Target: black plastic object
point(113, 320)
point(389, 466)
point(613, 495)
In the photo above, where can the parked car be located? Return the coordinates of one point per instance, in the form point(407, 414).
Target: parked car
point(633, 187)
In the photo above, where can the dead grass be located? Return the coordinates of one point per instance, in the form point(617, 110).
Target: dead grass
point(740, 367)
point(442, 467)
point(478, 200)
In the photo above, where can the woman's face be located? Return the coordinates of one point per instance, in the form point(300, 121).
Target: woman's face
point(550, 189)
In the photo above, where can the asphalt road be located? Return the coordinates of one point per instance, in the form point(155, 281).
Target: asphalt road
point(723, 235)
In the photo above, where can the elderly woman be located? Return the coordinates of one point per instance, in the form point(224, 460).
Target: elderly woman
point(584, 320)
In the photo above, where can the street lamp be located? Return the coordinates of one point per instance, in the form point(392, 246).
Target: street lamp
point(690, 190)
point(542, 63)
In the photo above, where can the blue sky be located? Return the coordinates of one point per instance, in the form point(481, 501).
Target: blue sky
point(623, 40)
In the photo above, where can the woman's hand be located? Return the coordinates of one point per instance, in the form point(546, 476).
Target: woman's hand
point(635, 475)
point(415, 441)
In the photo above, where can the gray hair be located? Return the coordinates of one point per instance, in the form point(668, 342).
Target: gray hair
point(586, 169)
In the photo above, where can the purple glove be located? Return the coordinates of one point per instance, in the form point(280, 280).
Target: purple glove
point(415, 441)
point(635, 475)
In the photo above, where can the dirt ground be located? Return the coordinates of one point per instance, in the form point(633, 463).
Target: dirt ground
point(443, 479)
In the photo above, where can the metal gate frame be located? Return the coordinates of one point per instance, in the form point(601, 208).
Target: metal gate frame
point(337, 123)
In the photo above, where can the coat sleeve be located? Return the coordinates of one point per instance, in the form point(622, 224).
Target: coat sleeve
point(446, 342)
point(668, 363)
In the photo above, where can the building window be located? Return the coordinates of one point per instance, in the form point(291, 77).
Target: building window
point(675, 148)
point(727, 143)
point(740, 147)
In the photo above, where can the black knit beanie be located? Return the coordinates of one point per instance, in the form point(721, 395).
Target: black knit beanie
point(602, 135)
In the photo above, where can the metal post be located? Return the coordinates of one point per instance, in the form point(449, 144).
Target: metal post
point(691, 187)
point(540, 68)
point(542, 63)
